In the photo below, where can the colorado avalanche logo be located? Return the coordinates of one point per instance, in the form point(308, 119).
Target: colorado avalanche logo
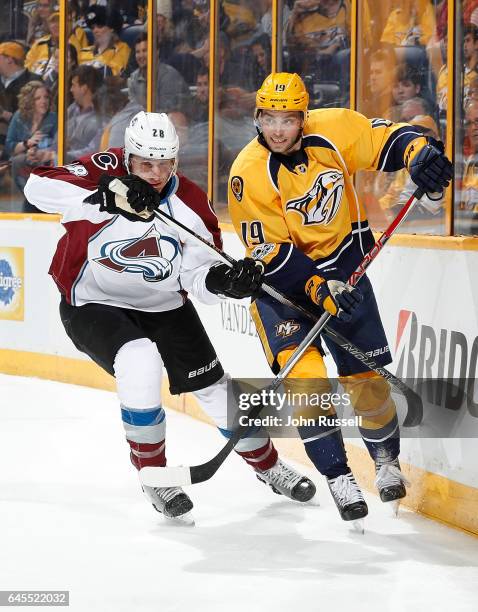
point(150, 255)
point(321, 203)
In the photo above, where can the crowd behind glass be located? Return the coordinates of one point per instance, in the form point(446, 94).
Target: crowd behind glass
point(402, 75)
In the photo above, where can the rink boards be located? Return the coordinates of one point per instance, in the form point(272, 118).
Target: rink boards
point(428, 298)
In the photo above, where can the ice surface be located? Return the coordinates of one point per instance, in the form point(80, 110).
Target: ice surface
point(73, 518)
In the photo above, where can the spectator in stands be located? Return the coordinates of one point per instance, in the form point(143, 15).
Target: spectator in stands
point(113, 133)
point(316, 30)
point(407, 85)
point(180, 122)
point(261, 61)
point(242, 79)
point(172, 90)
point(467, 206)
point(472, 92)
point(83, 123)
point(13, 76)
point(108, 52)
point(31, 132)
point(165, 29)
point(242, 20)
point(38, 22)
point(412, 23)
point(200, 100)
point(382, 67)
point(41, 57)
point(266, 19)
point(50, 77)
point(110, 99)
point(442, 80)
point(470, 56)
point(413, 107)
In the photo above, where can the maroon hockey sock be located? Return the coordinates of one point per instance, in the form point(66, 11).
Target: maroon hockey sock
point(262, 458)
point(143, 454)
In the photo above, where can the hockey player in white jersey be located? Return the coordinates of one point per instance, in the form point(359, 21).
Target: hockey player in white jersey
point(124, 276)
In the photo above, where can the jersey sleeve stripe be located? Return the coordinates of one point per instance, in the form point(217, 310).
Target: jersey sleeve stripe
point(391, 157)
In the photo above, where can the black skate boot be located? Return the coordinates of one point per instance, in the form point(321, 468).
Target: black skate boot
point(348, 497)
point(284, 480)
point(172, 502)
point(390, 481)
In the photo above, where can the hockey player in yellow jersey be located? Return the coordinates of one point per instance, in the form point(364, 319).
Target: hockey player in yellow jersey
point(294, 206)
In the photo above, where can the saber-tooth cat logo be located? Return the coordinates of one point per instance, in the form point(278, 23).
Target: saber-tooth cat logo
point(322, 201)
point(425, 353)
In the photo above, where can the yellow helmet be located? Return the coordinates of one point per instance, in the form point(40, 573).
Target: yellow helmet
point(283, 91)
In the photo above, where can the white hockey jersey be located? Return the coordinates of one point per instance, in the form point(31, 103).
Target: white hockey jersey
point(108, 259)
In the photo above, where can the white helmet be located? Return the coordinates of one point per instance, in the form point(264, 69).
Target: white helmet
point(151, 136)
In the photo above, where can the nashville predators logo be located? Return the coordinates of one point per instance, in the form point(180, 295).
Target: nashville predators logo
point(285, 329)
point(321, 203)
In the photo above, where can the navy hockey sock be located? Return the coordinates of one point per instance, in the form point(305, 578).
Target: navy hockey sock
point(324, 446)
point(383, 444)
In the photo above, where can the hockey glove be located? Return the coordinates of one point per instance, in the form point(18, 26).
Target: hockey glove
point(114, 203)
point(336, 297)
point(141, 195)
point(431, 169)
point(242, 280)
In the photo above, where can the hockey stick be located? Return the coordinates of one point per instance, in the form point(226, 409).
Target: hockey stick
point(184, 475)
point(414, 402)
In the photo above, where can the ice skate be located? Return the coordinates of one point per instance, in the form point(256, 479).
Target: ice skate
point(172, 502)
point(285, 480)
point(391, 484)
point(349, 499)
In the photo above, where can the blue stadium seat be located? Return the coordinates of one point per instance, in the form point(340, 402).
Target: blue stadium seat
point(131, 33)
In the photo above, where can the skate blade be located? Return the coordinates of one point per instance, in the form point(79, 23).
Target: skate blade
point(358, 526)
point(184, 520)
point(394, 507)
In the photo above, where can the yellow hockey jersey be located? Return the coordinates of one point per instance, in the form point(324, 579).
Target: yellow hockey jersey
point(300, 213)
point(114, 57)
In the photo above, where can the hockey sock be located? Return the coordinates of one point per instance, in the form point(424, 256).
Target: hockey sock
point(256, 448)
point(145, 434)
point(382, 451)
point(324, 446)
point(262, 458)
point(143, 454)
